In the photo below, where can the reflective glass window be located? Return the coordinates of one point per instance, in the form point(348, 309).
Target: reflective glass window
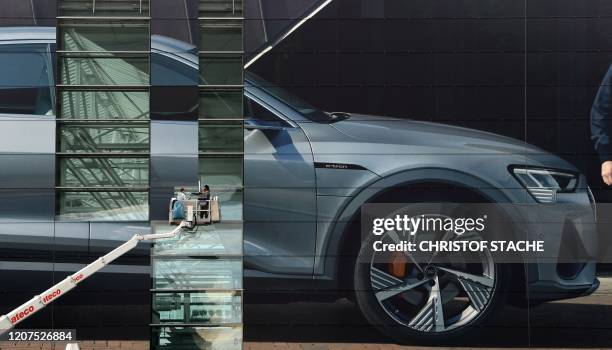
point(29, 89)
point(103, 206)
point(220, 69)
point(220, 8)
point(221, 172)
point(220, 105)
point(108, 70)
point(196, 338)
point(220, 137)
point(104, 104)
point(103, 168)
point(174, 103)
point(218, 239)
point(174, 68)
point(103, 36)
point(220, 35)
point(104, 138)
point(202, 307)
point(103, 172)
point(197, 273)
point(104, 8)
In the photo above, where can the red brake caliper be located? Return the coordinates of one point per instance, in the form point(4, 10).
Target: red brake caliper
point(398, 265)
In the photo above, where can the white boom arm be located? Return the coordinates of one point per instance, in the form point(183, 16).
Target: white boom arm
point(37, 303)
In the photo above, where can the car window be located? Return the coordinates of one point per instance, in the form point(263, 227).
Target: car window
point(26, 80)
point(255, 112)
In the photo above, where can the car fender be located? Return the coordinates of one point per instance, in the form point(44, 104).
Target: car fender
point(331, 242)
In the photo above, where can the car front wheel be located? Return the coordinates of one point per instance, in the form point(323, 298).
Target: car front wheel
point(426, 300)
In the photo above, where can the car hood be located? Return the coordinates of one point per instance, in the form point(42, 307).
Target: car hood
point(427, 137)
point(390, 130)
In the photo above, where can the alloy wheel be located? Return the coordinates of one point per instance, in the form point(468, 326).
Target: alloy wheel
point(437, 293)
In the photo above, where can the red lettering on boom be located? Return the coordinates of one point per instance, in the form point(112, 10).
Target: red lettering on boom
point(49, 297)
point(20, 315)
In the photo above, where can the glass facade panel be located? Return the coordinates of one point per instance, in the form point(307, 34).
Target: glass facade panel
point(94, 104)
point(211, 257)
point(196, 338)
point(104, 138)
point(104, 8)
point(220, 69)
point(221, 105)
point(220, 137)
point(103, 36)
point(103, 206)
point(197, 273)
point(216, 308)
point(174, 68)
point(174, 103)
point(103, 172)
point(221, 35)
point(220, 8)
point(218, 239)
point(221, 172)
point(130, 71)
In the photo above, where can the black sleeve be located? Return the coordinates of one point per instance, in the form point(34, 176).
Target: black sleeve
point(601, 123)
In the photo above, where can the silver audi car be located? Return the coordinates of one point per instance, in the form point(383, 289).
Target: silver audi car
point(308, 174)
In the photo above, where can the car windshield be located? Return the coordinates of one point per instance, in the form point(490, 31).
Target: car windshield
point(304, 108)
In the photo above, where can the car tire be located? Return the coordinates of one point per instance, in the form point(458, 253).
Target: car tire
point(382, 314)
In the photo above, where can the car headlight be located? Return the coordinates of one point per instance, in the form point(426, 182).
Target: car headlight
point(544, 184)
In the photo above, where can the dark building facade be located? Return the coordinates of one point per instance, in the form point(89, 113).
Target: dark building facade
point(105, 107)
point(525, 69)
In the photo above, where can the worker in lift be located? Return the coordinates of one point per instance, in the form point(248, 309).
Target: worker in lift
point(181, 196)
point(178, 211)
point(204, 199)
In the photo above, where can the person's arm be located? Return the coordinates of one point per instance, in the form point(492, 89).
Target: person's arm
point(601, 126)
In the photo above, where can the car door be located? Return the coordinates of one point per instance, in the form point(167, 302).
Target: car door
point(280, 193)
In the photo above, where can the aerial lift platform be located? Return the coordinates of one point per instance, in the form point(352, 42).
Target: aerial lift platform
point(39, 302)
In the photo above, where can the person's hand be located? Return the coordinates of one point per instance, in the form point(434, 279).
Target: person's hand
point(606, 172)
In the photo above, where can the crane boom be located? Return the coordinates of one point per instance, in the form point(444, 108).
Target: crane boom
point(37, 303)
